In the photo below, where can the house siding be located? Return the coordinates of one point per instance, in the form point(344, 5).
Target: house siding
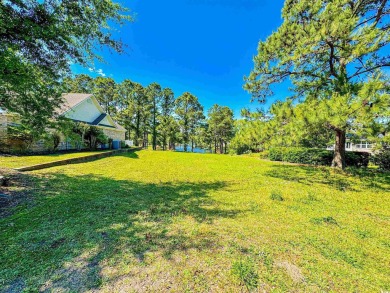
point(113, 133)
point(86, 111)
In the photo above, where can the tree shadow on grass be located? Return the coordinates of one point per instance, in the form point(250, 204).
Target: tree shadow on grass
point(80, 222)
point(130, 154)
point(351, 179)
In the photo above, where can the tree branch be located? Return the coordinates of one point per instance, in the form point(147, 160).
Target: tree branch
point(369, 70)
point(331, 58)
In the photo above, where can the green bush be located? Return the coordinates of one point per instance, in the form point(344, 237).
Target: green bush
point(301, 155)
point(95, 136)
point(51, 140)
point(318, 157)
point(264, 155)
point(276, 154)
point(238, 148)
point(357, 159)
point(382, 159)
point(124, 145)
point(109, 141)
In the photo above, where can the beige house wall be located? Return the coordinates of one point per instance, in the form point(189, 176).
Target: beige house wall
point(115, 134)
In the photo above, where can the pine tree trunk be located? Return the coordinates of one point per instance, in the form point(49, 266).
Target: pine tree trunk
point(154, 128)
point(137, 132)
point(145, 141)
point(339, 150)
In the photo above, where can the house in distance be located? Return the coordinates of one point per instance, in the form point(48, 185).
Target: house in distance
point(79, 108)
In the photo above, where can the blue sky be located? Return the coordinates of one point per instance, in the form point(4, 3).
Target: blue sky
point(201, 46)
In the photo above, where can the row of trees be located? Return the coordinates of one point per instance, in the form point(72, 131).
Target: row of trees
point(154, 112)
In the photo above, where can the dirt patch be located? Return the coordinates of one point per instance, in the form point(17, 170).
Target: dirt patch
point(79, 275)
point(292, 270)
point(19, 190)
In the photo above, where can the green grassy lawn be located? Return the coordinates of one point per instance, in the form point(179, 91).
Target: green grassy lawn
point(24, 161)
point(164, 221)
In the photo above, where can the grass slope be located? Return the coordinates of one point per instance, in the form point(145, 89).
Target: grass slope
point(24, 161)
point(163, 221)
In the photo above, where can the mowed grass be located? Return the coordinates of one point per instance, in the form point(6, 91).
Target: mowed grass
point(24, 161)
point(164, 221)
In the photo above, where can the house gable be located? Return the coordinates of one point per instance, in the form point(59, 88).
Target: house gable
point(85, 108)
point(87, 111)
point(106, 122)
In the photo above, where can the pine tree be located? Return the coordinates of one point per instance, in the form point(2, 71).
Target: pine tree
point(332, 52)
point(190, 113)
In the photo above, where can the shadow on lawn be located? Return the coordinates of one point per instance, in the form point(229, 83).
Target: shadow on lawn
point(80, 222)
point(351, 179)
point(130, 154)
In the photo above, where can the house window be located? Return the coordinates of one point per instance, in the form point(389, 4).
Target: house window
point(348, 145)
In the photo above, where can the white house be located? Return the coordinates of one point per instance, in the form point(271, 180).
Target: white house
point(79, 108)
point(361, 145)
point(85, 108)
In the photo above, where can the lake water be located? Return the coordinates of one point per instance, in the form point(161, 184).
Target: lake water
point(196, 150)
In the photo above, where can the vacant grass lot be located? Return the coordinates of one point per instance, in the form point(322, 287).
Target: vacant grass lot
point(163, 221)
point(24, 161)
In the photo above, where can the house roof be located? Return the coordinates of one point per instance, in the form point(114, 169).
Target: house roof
point(71, 100)
point(99, 119)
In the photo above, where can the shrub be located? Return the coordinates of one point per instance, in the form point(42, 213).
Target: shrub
point(101, 138)
point(382, 159)
point(109, 142)
point(276, 154)
point(124, 145)
point(95, 136)
point(20, 138)
point(264, 155)
point(319, 157)
point(238, 148)
point(301, 155)
point(357, 159)
point(52, 140)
